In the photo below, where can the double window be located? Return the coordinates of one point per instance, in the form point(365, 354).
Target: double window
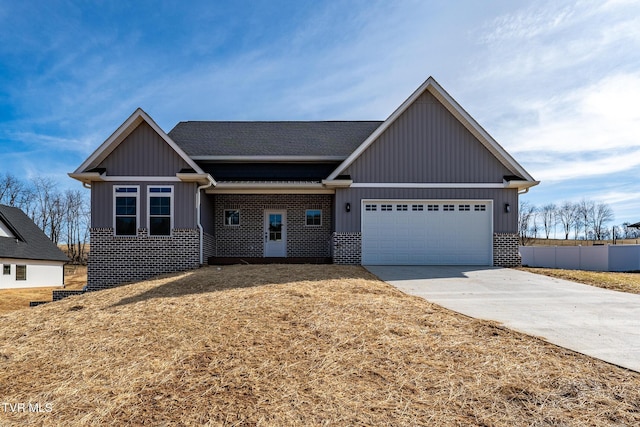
point(127, 210)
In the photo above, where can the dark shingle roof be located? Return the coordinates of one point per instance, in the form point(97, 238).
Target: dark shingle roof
point(31, 243)
point(333, 138)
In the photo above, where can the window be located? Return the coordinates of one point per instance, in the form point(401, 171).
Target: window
point(401, 207)
point(479, 207)
point(314, 217)
point(21, 272)
point(464, 207)
point(126, 210)
point(434, 208)
point(386, 207)
point(371, 207)
point(160, 211)
point(6, 269)
point(417, 207)
point(448, 208)
point(231, 217)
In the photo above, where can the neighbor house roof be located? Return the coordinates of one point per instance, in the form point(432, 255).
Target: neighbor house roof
point(327, 140)
point(28, 242)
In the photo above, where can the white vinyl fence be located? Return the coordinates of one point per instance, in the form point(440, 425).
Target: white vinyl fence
point(595, 258)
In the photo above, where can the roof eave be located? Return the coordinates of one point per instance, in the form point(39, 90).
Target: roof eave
point(199, 178)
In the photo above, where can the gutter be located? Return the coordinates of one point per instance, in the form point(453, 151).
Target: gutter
point(199, 215)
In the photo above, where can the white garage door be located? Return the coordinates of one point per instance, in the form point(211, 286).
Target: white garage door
point(427, 232)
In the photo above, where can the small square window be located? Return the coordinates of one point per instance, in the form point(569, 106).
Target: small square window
point(448, 208)
point(21, 272)
point(464, 207)
point(314, 217)
point(231, 217)
point(6, 269)
point(401, 207)
point(480, 208)
point(371, 207)
point(417, 207)
point(433, 208)
point(387, 207)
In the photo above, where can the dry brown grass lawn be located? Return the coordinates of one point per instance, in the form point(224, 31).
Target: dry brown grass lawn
point(624, 282)
point(75, 277)
point(291, 345)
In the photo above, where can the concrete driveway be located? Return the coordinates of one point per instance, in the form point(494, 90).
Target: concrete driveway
point(597, 322)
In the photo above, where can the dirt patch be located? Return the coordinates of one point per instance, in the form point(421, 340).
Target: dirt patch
point(292, 345)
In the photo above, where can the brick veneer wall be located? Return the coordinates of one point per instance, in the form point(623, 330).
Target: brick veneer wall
point(506, 250)
point(247, 239)
point(209, 243)
point(347, 248)
point(116, 260)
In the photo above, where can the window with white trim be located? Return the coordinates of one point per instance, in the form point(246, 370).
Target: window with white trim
point(313, 217)
point(232, 217)
point(126, 205)
point(160, 202)
point(21, 272)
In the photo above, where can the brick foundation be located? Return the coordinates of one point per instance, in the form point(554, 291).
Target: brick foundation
point(116, 260)
point(347, 248)
point(506, 250)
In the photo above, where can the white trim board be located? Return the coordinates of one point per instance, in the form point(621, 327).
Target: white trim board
point(425, 185)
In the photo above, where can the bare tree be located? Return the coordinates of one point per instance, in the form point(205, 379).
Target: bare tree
point(630, 232)
point(76, 220)
point(585, 213)
point(13, 192)
point(526, 222)
point(548, 216)
point(602, 214)
point(567, 215)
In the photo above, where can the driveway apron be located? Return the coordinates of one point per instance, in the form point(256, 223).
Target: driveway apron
point(597, 322)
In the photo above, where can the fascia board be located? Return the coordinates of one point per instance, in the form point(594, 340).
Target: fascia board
point(283, 159)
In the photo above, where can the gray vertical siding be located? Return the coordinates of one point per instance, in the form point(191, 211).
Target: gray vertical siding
point(349, 222)
point(427, 144)
point(143, 153)
point(183, 199)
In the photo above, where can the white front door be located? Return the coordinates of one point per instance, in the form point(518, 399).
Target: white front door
point(275, 233)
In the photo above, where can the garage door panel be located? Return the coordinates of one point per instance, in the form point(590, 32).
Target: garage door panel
point(424, 232)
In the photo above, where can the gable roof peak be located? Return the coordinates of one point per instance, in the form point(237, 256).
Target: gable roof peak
point(458, 112)
point(124, 130)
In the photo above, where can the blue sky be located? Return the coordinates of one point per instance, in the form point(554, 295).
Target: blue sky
point(556, 83)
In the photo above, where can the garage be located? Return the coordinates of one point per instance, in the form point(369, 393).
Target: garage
point(427, 232)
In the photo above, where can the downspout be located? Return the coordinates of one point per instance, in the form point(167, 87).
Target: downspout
point(199, 218)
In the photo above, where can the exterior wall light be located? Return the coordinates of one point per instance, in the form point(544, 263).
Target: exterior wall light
point(347, 207)
point(507, 208)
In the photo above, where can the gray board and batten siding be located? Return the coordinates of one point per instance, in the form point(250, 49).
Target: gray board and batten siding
point(143, 153)
point(427, 144)
point(184, 202)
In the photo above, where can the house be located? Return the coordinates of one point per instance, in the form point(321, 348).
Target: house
point(28, 257)
point(426, 186)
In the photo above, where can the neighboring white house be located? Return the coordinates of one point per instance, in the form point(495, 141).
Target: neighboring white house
point(28, 257)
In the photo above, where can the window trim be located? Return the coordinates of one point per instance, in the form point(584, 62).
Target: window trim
point(137, 196)
point(224, 218)
point(21, 277)
point(151, 194)
point(306, 218)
